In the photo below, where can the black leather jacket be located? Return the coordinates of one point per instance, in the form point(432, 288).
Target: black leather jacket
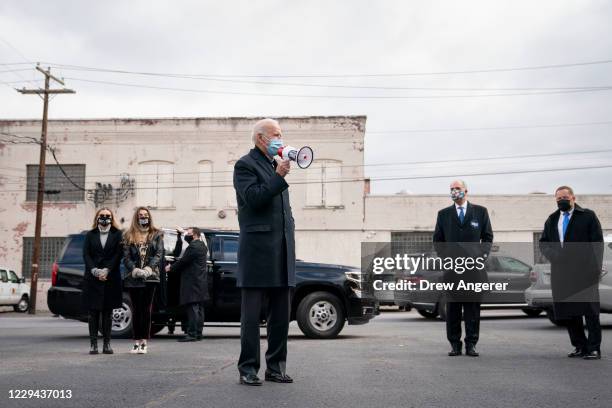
point(131, 260)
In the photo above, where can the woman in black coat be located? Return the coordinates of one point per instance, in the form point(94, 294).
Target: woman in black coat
point(143, 248)
point(102, 252)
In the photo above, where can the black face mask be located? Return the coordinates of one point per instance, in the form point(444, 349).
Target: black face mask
point(564, 205)
point(104, 220)
point(188, 238)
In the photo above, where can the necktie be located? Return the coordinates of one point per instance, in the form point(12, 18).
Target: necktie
point(462, 215)
point(565, 222)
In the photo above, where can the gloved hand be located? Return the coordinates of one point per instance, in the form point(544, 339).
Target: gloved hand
point(95, 272)
point(148, 271)
point(103, 273)
point(138, 273)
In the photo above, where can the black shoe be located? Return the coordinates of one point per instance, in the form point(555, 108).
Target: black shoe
point(106, 348)
point(187, 338)
point(470, 350)
point(199, 337)
point(456, 351)
point(278, 377)
point(93, 348)
point(592, 355)
point(576, 353)
point(250, 379)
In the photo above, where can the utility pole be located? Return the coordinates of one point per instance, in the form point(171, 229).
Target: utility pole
point(41, 175)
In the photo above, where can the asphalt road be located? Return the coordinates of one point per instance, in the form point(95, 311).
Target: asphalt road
point(397, 360)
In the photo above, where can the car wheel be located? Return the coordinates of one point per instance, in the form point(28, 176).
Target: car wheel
point(23, 305)
point(427, 314)
point(532, 312)
point(320, 315)
point(550, 313)
point(122, 319)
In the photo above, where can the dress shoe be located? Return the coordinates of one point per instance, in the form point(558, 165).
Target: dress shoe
point(106, 348)
point(187, 339)
point(576, 353)
point(592, 355)
point(456, 351)
point(250, 379)
point(93, 348)
point(199, 337)
point(278, 377)
point(470, 350)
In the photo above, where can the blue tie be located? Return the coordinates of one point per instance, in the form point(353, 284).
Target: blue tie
point(565, 222)
point(462, 216)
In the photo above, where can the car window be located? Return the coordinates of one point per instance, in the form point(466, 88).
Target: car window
point(230, 249)
point(13, 277)
point(216, 249)
point(3, 276)
point(512, 265)
point(73, 250)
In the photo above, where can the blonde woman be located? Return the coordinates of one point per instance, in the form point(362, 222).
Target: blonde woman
point(142, 253)
point(102, 292)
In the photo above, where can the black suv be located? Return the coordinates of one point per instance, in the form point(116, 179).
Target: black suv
point(325, 297)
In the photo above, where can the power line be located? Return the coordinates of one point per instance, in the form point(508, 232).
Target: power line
point(374, 97)
point(385, 75)
point(356, 180)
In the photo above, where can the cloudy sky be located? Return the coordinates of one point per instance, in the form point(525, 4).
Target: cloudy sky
point(443, 83)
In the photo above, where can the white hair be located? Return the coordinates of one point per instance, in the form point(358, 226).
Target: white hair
point(463, 183)
point(260, 128)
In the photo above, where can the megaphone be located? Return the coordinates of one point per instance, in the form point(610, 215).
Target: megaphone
point(303, 157)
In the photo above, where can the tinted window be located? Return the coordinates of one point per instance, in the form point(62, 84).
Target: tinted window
point(512, 265)
point(73, 250)
point(13, 277)
point(3, 276)
point(230, 249)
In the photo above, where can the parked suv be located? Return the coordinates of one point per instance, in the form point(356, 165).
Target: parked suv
point(539, 294)
point(500, 269)
point(14, 291)
point(325, 297)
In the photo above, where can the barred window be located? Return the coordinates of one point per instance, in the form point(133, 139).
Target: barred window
point(50, 248)
point(410, 242)
point(57, 186)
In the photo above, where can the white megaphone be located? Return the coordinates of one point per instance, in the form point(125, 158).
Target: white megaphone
point(303, 157)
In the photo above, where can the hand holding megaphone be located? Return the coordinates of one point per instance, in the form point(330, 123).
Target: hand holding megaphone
point(303, 156)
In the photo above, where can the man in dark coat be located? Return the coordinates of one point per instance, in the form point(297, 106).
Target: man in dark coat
point(572, 241)
point(463, 230)
point(266, 254)
point(194, 286)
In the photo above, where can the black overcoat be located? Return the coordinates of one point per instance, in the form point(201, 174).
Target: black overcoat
point(192, 268)
point(266, 253)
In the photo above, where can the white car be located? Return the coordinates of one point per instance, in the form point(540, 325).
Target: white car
point(14, 291)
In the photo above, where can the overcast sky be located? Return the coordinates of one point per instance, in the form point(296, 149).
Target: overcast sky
point(283, 39)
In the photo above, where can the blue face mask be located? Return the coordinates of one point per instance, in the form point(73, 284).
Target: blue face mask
point(273, 146)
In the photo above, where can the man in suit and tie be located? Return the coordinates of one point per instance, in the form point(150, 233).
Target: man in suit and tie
point(572, 241)
point(266, 254)
point(463, 230)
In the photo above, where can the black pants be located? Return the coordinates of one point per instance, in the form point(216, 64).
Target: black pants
point(575, 328)
point(95, 316)
point(195, 319)
point(279, 307)
point(471, 315)
point(142, 303)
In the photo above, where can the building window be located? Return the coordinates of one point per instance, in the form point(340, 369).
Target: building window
point(205, 178)
point(50, 248)
point(323, 185)
point(230, 192)
point(411, 242)
point(57, 186)
point(155, 183)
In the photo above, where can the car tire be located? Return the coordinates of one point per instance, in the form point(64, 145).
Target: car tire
point(320, 315)
point(122, 319)
point(23, 305)
point(427, 314)
point(550, 313)
point(532, 312)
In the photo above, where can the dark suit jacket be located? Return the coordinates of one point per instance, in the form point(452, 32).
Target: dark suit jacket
point(472, 238)
point(266, 254)
point(97, 294)
point(575, 266)
point(192, 267)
